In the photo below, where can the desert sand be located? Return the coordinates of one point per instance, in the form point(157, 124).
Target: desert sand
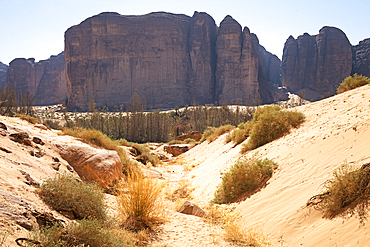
point(336, 130)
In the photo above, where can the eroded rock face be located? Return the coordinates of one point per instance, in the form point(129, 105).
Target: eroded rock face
point(101, 166)
point(237, 62)
point(171, 60)
point(110, 57)
point(317, 64)
point(3, 69)
point(44, 80)
point(361, 58)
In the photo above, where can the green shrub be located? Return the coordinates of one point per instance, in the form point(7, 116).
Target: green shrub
point(241, 133)
point(270, 123)
point(94, 234)
point(243, 179)
point(352, 82)
point(48, 236)
point(211, 133)
point(346, 193)
point(65, 193)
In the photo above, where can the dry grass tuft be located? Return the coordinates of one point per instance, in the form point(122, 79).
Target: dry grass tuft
point(212, 133)
point(227, 218)
point(27, 118)
point(346, 194)
point(140, 202)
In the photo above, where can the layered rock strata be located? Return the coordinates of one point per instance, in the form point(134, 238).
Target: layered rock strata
point(171, 60)
point(45, 80)
point(316, 65)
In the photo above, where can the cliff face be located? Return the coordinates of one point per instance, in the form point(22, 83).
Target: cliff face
point(361, 58)
point(3, 69)
point(44, 80)
point(316, 64)
point(171, 60)
point(237, 62)
point(110, 57)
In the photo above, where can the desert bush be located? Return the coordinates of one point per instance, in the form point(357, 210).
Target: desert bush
point(139, 202)
point(66, 193)
point(85, 232)
point(347, 193)
point(211, 133)
point(241, 133)
point(245, 236)
point(270, 123)
point(352, 82)
point(94, 233)
point(243, 179)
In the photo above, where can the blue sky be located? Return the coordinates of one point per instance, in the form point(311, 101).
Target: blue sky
point(35, 28)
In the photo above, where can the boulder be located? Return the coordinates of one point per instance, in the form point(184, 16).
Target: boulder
point(317, 63)
point(176, 150)
point(196, 135)
point(98, 165)
point(3, 126)
point(21, 137)
point(192, 209)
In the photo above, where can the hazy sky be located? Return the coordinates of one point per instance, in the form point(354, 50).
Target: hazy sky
point(35, 28)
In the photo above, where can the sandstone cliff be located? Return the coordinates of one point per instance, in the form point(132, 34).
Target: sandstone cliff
point(3, 69)
point(361, 58)
point(171, 60)
point(45, 80)
point(316, 64)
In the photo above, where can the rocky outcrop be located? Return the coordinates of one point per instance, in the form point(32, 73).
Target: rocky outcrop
point(45, 80)
point(110, 57)
point(176, 150)
point(316, 64)
point(171, 60)
point(3, 69)
point(101, 166)
point(361, 58)
point(195, 135)
point(237, 62)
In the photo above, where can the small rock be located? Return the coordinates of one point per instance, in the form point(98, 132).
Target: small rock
point(39, 154)
point(30, 180)
point(176, 150)
point(151, 173)
point(37, 140)
point(32, 153)
point(21, 137)
point(195, 135)
point(56, 159)
point(70, 168)
point(191, 209)
point(3, 126)
point(3, 132)
point(162, 157)
point(56, 166)
point(5, 150)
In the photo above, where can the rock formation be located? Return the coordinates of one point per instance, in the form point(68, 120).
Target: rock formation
point(361, 58)
point(44, 80)
point(171, 60)
point(316, 64)
point(3, 69)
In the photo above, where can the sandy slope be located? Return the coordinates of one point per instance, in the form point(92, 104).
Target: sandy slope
point(336, 129)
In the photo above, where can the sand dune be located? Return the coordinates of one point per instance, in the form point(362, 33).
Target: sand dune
point(336, 130)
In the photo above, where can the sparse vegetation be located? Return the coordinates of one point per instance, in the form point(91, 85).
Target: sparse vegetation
point(12, 102)
point(241, 133)
point(67, 194)
point(237, 233)
point(27, 118)
point(352, 82)
point(347, 193)
point(139, 202)
point(270, 123)
point(243, 179)
point(85, 232)
point(212, 133)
